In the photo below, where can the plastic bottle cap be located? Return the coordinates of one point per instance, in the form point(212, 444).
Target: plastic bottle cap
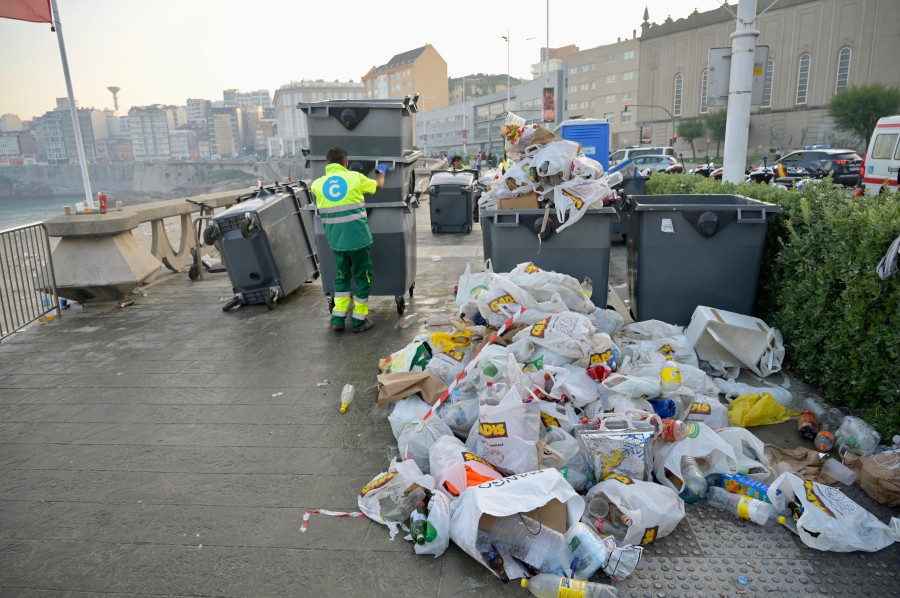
point(782, 519)
point(524, 583)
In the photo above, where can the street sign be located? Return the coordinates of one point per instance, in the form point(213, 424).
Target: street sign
point(719, 76)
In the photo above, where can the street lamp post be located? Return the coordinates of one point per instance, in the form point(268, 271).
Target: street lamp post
point(507, 38)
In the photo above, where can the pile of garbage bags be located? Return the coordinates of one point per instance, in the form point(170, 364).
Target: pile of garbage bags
point(552, 169)
point(541, 434)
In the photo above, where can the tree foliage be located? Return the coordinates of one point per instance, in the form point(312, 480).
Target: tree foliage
point(690, 129)
point(858, 108)
point(715, 124)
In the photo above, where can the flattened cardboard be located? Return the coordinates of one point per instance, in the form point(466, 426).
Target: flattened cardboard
point(552, 514)
point(524, 202)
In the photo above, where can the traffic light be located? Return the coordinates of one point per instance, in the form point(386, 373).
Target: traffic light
point(626, 107)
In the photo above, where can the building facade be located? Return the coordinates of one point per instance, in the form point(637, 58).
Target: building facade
point(149, 127)
point(225, 129)
point(600, 81)
point(816, 48)
point(421, 71)
point(56, 134)
point(196, 111)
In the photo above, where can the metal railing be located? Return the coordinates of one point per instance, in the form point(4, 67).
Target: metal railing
point(27, 280)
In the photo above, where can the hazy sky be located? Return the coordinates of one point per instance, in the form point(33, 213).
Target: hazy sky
point(166, 51)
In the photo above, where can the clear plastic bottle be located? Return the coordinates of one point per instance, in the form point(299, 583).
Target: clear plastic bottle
point(492, 393)
point(546, 585)
point(858, 433)
point(408, 320)
point(669, 376)
point(828, 424)
point(532, 542)
point(589, 548)
point(673, 430)
point(693, 475)
point(757, 511)
point(347, 394)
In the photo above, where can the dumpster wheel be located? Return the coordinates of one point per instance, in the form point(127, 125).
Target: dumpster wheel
point(411, 288)
point(330, 304)
point(272, 298)
point(194, 272)
point(401, 305)
point(235, 302)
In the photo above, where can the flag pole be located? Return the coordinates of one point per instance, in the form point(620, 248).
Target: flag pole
point(79, 143)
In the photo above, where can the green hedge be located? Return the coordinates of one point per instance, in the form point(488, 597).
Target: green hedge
point(818, 285)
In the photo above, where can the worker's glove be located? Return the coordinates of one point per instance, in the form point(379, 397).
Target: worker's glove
point(382, 168)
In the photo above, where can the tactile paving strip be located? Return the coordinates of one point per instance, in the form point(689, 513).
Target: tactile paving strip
point(711, 549)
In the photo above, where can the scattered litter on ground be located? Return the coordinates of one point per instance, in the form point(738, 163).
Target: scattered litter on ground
point(532, 422)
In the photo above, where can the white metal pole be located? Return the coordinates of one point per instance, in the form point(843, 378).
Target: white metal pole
point(424, 129)
point(79, 143)
point(508, 107)
point(740, 88)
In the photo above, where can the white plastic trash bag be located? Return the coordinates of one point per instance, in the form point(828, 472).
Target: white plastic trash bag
point(709, 411)
point(749, 453)
point(712, 453)
point(608, 321)
point(418, 435)
point(575, 197)
point(647, 330)
point(586, 168)
point(564, 453)
point(520, 493)
point(459, 415)
point(553, 162)
point(508, 433)
point(655, 510)
point(471, 284)
point(447, 365)
point(544, 284)
point(567, 334)
point(391, 496)
point(411, 358)
point(406, 410)
point(830, 520)
point(439, 519)
point(619, 447)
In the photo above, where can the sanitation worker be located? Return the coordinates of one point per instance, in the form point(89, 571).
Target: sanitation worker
point(340, 203)
point(456, 163)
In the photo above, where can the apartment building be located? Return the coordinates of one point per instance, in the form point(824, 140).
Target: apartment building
point(149, 127)
point(600, 81)
point(225, 129)
point(56, 134)
point(196, 111)
point(421, 71)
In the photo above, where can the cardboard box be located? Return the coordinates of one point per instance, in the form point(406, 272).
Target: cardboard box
point(524, 202)
point(552, 514)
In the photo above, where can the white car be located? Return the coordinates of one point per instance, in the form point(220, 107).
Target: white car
point(881, 164)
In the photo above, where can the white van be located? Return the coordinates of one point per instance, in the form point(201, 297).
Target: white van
point(631, 152)
point(882, 163)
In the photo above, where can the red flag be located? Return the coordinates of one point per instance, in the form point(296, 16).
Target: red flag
point(36, 11)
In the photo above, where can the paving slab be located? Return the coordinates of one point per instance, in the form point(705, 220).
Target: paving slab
point(171, 449)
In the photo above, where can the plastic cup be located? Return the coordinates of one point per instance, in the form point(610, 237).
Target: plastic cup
point(50, 318)
point(42, 320)
point(67, 210)
point(837, 470)
point(598, 507)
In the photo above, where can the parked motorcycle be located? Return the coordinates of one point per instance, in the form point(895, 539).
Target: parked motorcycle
point(704, 169)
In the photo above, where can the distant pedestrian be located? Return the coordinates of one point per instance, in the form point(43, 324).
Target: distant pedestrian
point(478, 163)
point(778, 154)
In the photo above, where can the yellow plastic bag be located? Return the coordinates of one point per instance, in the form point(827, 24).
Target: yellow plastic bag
point(757, 410)
point(448, 341)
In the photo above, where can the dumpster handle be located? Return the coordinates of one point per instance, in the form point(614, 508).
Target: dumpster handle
point(509, 223)
point(742, 219)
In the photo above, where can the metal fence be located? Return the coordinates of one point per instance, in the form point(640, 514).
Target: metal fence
point(27, 281)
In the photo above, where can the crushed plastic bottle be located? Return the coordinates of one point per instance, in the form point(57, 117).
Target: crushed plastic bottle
point(828, 424)
point(408, 320)
point(693, 476)
point(532, 542)
point(808, 425)
point(858, 433)
point(347, 394)
point(546, 585)
point(757, 511)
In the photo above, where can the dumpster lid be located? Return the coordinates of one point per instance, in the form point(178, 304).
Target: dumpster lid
point(648, 203)
point(407, 104)
point(447, 177)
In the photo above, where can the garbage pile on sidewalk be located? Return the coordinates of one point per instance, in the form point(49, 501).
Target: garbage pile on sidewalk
point(541, 435)
point(547, 172)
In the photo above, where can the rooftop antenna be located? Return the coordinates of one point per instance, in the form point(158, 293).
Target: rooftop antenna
point(115, 91)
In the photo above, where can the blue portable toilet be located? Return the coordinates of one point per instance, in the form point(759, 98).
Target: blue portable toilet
point(592, 134)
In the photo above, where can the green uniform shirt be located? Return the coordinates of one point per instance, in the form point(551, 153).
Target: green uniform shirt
point(340, 203)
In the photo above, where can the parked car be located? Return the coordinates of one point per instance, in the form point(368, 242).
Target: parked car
point(633, 152)
point(819, 162)
point(655, 163)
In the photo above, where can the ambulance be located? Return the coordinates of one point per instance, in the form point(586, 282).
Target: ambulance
point(882, 162)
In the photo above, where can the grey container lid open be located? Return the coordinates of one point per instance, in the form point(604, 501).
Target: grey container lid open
point(690, 250)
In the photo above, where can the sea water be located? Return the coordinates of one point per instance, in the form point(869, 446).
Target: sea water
point(17, 211)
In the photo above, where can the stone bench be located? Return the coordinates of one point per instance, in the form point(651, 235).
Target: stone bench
point(99, 259)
